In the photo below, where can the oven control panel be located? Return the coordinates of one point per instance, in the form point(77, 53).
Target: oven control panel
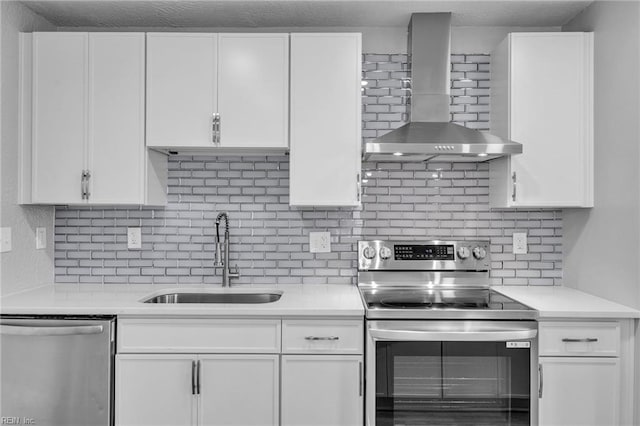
point(424, 255)
point(424, 252)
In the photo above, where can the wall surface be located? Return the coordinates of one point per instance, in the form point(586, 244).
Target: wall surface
point(24, 266)
point(269, 239)
point(602, 245)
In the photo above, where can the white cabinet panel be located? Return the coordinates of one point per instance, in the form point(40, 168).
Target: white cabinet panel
point(542, 98)
point(579, 391)
point(198, 335)
point(322, 390)
point(59, 116)
point(325, 119)
point(253, 90)
point(240, 390)
point(154, 390)
point(322, 336)
point(181, 89)
point(116, 151)
point(87, 92)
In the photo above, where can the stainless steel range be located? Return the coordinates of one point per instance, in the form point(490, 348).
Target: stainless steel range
point(442, 346)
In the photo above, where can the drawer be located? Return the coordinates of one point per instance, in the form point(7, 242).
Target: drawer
point(322, 336)
point(579, 339)
point(198, 335)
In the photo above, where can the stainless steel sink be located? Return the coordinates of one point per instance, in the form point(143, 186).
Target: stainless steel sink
point(227, 297)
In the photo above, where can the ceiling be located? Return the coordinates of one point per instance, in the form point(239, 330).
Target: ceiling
point(299, 13)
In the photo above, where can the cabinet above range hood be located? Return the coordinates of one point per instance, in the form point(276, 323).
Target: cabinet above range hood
point(430, 135)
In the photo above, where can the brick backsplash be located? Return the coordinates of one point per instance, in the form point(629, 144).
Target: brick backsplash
point(269, 239)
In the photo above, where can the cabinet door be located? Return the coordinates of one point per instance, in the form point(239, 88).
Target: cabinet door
point(154, 390)
point(116, 151)
point(550, 115)
point(253, 90)
point(181, 89)
point(321, 390)
point(238, 390)
point(59, 116)
point(579, 391)
point(325, 119)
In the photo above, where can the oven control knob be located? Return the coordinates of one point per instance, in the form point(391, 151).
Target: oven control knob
point(479, 253)
point(385, 252)
point(369, 252)
point(463, 252)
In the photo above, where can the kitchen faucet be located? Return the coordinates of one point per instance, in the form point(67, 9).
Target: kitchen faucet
point(223, 260)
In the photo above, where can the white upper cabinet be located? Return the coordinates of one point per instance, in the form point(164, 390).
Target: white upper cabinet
point(209, 91)
point(181, 89)
point(325, 119)
point(86, 144)
point(60, 62)
point(253, 90)
point(542, 97)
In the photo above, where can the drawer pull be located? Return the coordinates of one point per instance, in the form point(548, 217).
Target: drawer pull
point(587, 340)
point(315, 338)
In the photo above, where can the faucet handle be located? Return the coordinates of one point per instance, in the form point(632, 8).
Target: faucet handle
point(235, 273)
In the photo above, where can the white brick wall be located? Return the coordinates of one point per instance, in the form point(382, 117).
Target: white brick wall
point(269, 240)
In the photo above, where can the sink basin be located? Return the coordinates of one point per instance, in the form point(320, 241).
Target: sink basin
point(227, 297)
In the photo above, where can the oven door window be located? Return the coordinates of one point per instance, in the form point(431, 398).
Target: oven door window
point(452, 383)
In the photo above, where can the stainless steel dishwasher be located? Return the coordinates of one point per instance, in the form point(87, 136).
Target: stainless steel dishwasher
point(57, 371)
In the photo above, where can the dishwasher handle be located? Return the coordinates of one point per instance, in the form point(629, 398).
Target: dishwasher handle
point(21, 330)
point(452, 336)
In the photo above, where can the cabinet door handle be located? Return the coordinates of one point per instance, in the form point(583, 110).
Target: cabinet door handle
point(315, 338)
point(585, 340)
point(361, 378)
point(541, 380)
point(83, 188)
point(215, 128)
point(514, 179)
point(194, 388)
point(198, 377)
point(84, 184)
point(358, 187)
point(219, 122)
point(87, 184)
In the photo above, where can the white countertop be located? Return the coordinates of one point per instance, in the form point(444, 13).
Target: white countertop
point(566, 303)
point(297, 300)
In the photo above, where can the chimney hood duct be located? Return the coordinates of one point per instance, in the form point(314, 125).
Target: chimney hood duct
point(429, 135)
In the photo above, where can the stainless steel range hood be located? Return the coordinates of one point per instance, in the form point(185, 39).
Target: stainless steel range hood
point(429, 135)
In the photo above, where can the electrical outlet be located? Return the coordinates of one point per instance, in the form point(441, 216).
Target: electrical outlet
point(134, 238)
point(5, 240)
point(319, 242)
point(519, 243)
point(41, 238)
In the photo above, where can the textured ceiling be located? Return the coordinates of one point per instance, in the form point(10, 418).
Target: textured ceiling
point(299, 13)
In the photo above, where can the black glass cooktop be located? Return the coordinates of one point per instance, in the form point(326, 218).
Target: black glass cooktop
point(450, 303)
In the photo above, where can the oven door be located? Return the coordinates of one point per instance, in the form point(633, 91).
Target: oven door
point(451, 373)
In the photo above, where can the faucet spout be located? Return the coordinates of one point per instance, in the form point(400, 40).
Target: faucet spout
point(222, 253)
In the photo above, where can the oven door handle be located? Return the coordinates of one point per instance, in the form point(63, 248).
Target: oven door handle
point(452, 336)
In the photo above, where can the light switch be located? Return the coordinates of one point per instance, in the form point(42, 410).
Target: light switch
point(5, 240)
point(41, 238)
point(519, 243)
point(134, 238)
point(320, 242)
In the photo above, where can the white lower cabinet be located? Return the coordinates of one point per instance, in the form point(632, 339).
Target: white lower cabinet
point(238, 390)
point(580, 373)
point(154, 390)
point(239, 372)
point(190, 389)
point(579, 391)
point(322, 390)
